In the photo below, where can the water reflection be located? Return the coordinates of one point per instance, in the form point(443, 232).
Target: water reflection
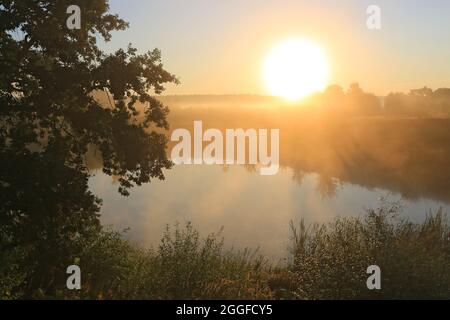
point(254, 210)
point(331, 165)
point(409, 156)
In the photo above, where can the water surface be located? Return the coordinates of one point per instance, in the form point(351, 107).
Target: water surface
point(254, 210)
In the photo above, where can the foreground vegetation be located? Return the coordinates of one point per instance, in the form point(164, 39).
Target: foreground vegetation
point(49, 218)
point(327, 262)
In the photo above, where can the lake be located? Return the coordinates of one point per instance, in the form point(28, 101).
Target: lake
point(330, 166)
point(254, 210)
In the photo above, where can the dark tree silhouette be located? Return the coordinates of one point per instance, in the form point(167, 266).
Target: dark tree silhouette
point(49, 117)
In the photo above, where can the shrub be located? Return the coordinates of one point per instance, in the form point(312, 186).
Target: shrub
point(330, 261)
point(183, 267)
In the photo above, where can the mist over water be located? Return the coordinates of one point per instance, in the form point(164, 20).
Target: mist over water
point(331, 165)
point(254, 210)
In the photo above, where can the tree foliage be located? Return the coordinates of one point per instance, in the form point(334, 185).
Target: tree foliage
point(50, 117)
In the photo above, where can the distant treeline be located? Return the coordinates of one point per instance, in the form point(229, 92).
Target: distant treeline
point(419, 102)
point(335, 100)
point(355, 102)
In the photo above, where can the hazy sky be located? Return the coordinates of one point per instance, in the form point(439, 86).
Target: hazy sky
point(218, 46)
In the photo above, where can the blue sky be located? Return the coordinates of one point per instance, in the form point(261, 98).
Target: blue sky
point(218, 46)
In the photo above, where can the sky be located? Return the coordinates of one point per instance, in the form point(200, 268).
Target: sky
point(219, 47)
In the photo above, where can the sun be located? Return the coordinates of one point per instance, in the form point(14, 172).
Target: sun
point(295, 68)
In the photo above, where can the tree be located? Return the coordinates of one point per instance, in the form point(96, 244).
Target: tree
point(360, 103)
point(423, 92)
point(334, 97)
point(49, 117)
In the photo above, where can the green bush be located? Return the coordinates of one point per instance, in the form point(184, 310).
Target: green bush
point(330, 261)
point(12, 274)
point(183, 267)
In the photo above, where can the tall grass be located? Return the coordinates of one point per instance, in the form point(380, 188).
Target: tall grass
point(328, 261)
point(184, 266)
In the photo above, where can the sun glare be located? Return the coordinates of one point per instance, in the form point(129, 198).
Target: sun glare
point(295, 68)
